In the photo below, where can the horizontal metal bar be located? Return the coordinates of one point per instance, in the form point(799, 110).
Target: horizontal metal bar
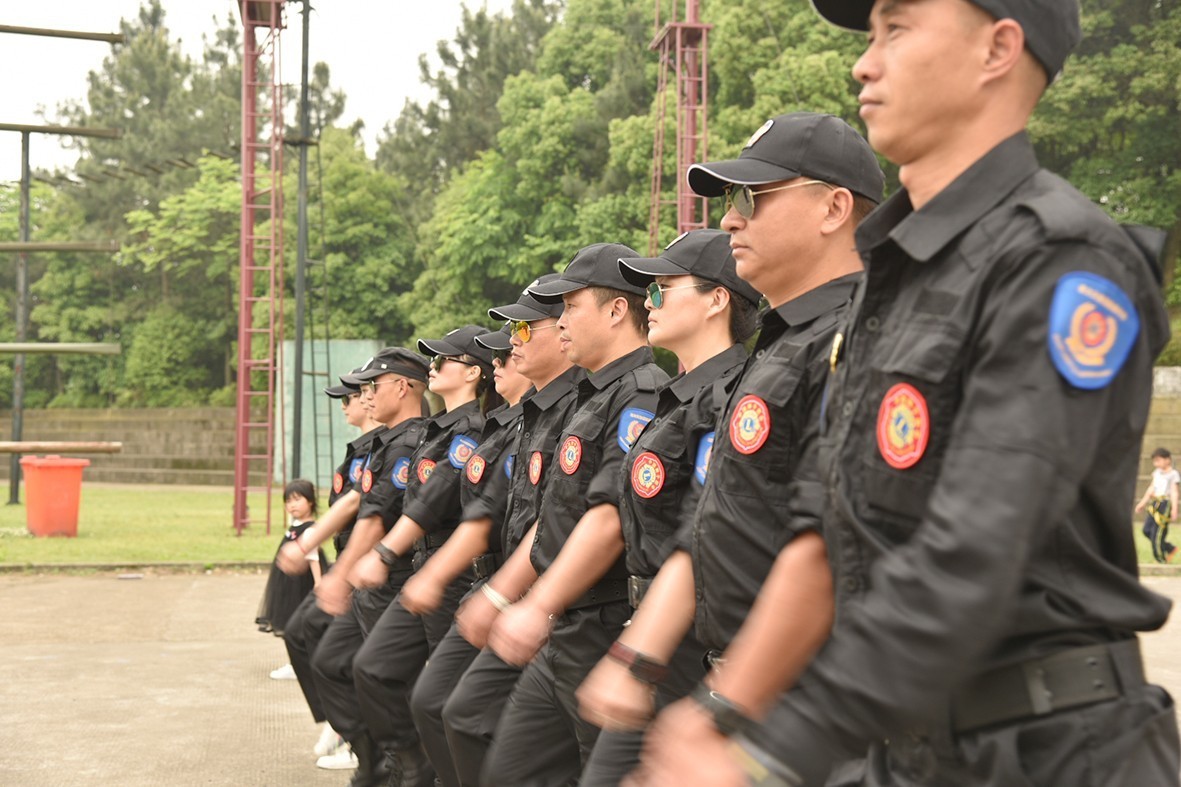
point(60, 348)
point(110, 38)
point(105, 246)
point(68, 131)
point(59, 447)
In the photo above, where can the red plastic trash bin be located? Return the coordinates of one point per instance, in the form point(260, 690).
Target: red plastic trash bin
point(53, 489)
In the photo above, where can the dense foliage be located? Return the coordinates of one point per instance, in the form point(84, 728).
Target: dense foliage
point(537, 140)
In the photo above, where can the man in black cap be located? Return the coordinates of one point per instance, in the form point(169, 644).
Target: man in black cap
point(796, 194)
point(982, 434)
point(541, 739)
point(475, 705)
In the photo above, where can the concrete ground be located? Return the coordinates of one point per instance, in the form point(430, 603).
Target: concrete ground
point(163, 680)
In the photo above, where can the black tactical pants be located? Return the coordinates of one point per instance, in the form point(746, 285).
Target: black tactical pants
point(439, 678)
point(305, 628)
point(473, 711)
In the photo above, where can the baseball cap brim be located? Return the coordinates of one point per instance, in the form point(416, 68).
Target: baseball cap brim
point(516, 311)
point(339, 391)
point(711, 178)
point(495, 340)
point(438, 347)
point(552, 291)
point(849, 14)
point(641, 271)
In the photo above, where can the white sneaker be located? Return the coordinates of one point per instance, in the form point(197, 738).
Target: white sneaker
point(286, 672)
point(329, 741)
point(342, 759)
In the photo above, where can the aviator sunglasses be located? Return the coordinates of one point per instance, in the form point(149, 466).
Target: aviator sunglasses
point(743, 199)
point(438, 361)
point(524, 331)
point(656, 292)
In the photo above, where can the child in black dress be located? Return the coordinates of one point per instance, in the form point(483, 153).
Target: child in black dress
point(285, 592)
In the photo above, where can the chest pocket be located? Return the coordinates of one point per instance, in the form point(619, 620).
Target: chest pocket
point(577, 456)
point(910, 406)
point(657, 473)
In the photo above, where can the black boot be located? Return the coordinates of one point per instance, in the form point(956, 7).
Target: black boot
point(372, 770)
point(412, 768)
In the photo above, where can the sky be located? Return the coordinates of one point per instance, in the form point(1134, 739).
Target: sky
point(371, 47)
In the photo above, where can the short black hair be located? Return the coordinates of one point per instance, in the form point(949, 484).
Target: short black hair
point(305, 489)
point(1161, 453)
point(744, 315)
point(635, 305)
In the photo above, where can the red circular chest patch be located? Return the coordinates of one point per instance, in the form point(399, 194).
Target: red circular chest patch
point(366, 480)
point(337, 483)
point(904, 426)
point(475, 469)
point(750, 425)
point(535, 468)
point(425, 468)
point(570, 457)
point(647, 475)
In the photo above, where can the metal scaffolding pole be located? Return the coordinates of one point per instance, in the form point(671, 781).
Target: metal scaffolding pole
point(301, 258)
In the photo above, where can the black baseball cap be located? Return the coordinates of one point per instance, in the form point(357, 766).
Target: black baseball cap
point(345, 388)
point(527, 307)
point(461, 341)
point(351, 381)
point(393, 360)
point(593, 266)
point(1051, 27)
point(801, 144)
point(496, 340)
point(702, 253)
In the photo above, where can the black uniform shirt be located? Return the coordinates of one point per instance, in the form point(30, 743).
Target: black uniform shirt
point(762, 488)
point(348, 477)
point(614, 404)
point(483, 490)
point(386, 472)
point(666, 468)
point(983, 436)
point(543, 416)
point(432, 490)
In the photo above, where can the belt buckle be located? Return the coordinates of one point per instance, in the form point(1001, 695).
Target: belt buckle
point(636, 588)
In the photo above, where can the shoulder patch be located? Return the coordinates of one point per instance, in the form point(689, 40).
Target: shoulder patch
point(366, 480)
point(401, 473)
point(475, 469)
point(509, 461)
point(425, 468)
point(461, 449)
point(705, 448)
point(647, 475)
point(535, 468)
point(355, 470)
point(750, 424)
point(631, 423)
point(337, 483)
point(1093, 326)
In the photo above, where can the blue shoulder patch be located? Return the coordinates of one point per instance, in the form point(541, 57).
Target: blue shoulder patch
point(355, 469)
point(401, 474)
point(1093, 326)
point(461, 449)
point(508, 466)
point(631, 423)
point(705, 447)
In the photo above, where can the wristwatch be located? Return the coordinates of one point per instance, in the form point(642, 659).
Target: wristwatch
point(641, 667)
point(728, 717)
point(387, 555)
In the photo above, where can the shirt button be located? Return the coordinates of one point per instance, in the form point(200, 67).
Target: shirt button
point(852, 584)
point(760, 353)
point(847, 409)
point(872, 323)
point(526, 435)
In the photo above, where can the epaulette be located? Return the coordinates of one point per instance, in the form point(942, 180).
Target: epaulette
point(646, 379)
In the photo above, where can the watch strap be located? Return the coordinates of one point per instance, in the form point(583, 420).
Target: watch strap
point(642, 668)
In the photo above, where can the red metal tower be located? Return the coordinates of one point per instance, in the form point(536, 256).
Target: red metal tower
point(683, 47)
point(261, 256)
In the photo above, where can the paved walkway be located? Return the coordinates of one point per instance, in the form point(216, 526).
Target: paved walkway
point(163, 680)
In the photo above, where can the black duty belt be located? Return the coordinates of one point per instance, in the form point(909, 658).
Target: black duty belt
point(606, 591)
point(486, 564)
point(637, 588)
point(1068, 679)
point(432, 541)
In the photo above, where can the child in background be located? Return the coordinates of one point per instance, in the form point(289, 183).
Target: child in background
point(1161, 499)
point(284, 592)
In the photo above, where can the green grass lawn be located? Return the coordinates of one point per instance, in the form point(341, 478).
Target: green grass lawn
point(119, 524)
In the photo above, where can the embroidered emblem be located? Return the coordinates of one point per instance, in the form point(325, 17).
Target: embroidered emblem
point(475, 469)
point(904, 426)
point(647, 475)
point(355, 470)
point(366, 480)
point(755, 137)
point(750, 425)
point(705, 449)
point(631, 423)
point(1093, 326)
point(461, 449)
point(401, 474)
point(535, 468)
point(508, 466)
point(337, 483)
point(425, 468)
point(569, 457)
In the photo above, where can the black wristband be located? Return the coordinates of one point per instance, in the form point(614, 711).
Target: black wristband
point(387, 555)
point(728, 717)
point(641, 667)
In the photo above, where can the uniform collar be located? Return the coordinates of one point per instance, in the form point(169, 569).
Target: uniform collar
point(368, 437)
point(686, 385)
point(815, 302)
point(557, 388)
point(620, 366)
point(466, 409)
point(391, 433)
point(922, 234)
point(505, 414)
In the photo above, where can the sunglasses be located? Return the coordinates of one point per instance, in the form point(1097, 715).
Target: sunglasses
point(524, 331)
point(743, 199)
point(501, 356)
point(371, 387)
point(438, 361)
point(656, 292)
